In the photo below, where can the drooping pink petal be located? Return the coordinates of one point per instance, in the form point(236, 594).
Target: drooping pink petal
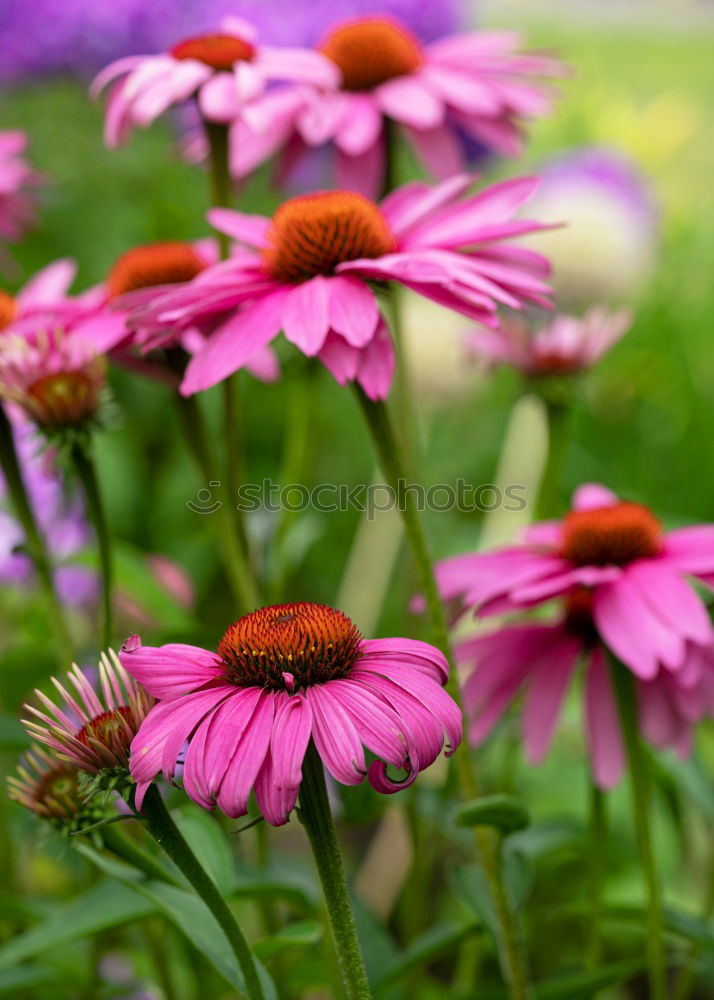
point(546, 690)
point(377, 362)
point(249, 229)
point(336, 738)
point(305, 314)
point(232, 345)
point(363, 173)
point(421, 655)
point(353, 310)
point(248, 759)
point(603, 726)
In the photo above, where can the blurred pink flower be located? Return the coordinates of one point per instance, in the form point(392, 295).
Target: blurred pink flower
point(17, 180)
point(223, 71)
point(282, 676)
point(643, 607)
point(540, 658)
point(308, 271)
point(471, 87)
point(566, 345)
point(45, 302)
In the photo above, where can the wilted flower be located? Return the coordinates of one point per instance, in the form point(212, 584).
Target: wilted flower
point(540, 659)
point(471, 87)
point(308, 271)
point(607, 248)
point(282, 676)
point(566, 345)
point(49, 787)
point(223, 71)
point(17, 180)
point(55, 378)
point(92, 730)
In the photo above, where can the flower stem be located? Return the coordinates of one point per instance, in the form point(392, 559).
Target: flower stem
point(134, 854)
point(87, 475)
point(168, 836)
point(221, 189)
point(597, 831)
point(557, 414)
point(237, 567)
point(625, 694)
point(687, 977)
point(316, 817)
point(511, 946)
point(36, 547)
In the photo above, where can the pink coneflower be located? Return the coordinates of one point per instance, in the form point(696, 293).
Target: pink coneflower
point(17, 179)
point(137, 277)
point(55, 378)
point(566, 345)
point(643, 607)
point(541, 658)
point(281, 676)
point(307, 271)
point(92, 731)
point(474, 87)
point(223, 71)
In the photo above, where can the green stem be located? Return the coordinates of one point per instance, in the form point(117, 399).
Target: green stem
point(34, 540)
point(87, 475)
point(295, 452)
point(557, 415)
point(597, 832)
point(237, 567)
point(163, 829)
point(219, 174)
point(222, 197)
point(511, 946)
point(316, 817)
point(625, 693)
point(134, 854)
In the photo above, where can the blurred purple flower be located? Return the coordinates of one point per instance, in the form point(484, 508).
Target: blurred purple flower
point(80, 36)
point(606, 248)
point(60, 517)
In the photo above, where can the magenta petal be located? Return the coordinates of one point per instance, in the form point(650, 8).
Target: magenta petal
point(421, 655)
point(590, 496)
point(171, 670)
point(377, 362)
point(248, 758)
point(305, 315)
point(378, 725)
point(603, 725)
point(546, 690)
point(380, 780)
point(353, 310)
point(336, 738)
point(278, 782)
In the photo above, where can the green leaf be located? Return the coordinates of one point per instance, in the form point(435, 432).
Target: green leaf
point(504, 812)
point(25, 977)
point(301, 934)
point(289, 883)
point(188, 913)
point(434, 943)
point(108, 904)
point(584, 985)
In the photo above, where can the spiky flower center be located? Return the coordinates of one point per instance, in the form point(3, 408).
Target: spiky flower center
point(288, 647)
point(611, 536)
point(116, 725)
point(312, 234)
point(153, 264)
point(220, 52)
point(66, 398)
point(8, 309)
point(372, 51)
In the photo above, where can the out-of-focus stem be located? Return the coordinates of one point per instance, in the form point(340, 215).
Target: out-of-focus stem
point(87, 474)
point(34, 540)
point(597, 834)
